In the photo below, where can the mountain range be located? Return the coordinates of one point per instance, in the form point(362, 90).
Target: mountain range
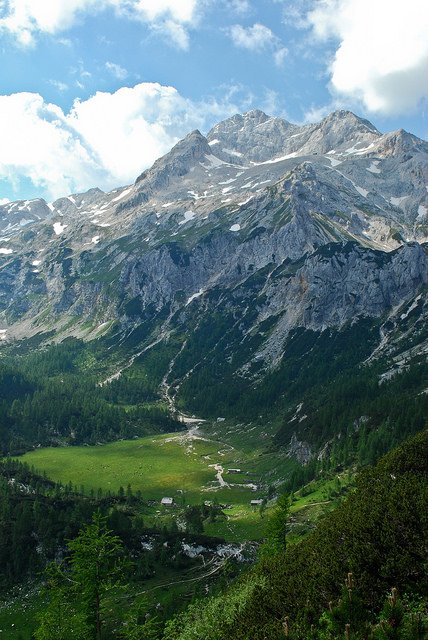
point(234, 254)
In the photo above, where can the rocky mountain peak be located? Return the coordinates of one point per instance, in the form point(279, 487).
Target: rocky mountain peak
point(340, 131)
point(350, 119)
point(401, 142)
point(251, 137)
point(193, 149)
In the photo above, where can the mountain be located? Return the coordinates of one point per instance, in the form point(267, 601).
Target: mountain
point(228, 250)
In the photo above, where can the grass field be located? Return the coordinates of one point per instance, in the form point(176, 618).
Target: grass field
point(158, 466)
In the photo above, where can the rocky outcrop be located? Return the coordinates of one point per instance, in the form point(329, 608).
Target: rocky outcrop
point(301, 450)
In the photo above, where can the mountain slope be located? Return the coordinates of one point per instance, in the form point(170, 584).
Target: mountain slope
point(226, 249)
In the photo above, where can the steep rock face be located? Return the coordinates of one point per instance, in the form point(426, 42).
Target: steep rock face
point(338, 283)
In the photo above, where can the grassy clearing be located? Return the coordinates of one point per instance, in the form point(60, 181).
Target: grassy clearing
point(163, 465)
point(155, 465)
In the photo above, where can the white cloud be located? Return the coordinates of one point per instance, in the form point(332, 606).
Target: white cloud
point(104, 141)
point(180, 10)
point(258, 38)
point(382, 53)
point(280, 55)
point(61, 86)
point(241, 7)
point(255, 38)
point(172, 32)
point(116, 70)
point(38, 144)
point(25, 19)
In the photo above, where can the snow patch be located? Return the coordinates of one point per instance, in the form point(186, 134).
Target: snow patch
point(397, 201)
point(422, 212)
point(3, 334)
point(213, 161)
point(233, 153)
point(362, 191)
point(357, 151)
point(213, 142)
point(6, 251)
point(240, 204)
point(196, 196)
point(188, 215)
point(334, 161)
point(275, 160)
point(373, 168)
point(195, 295)
point(235, 227)
point(36, 263)
point(58, 227)
point(95, 239)
point(167, 204)
point(122, 195)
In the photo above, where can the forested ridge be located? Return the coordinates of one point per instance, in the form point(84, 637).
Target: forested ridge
point(378, 536)
point(53, 396)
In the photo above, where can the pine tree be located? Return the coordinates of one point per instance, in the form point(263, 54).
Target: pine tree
point(95, 568)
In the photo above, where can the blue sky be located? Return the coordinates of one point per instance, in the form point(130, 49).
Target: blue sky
point(93, 91)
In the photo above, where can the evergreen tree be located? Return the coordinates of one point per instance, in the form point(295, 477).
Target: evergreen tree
point(276, 527)
point(95, 569)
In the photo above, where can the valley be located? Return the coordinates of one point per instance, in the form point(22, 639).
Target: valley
point(248, 321)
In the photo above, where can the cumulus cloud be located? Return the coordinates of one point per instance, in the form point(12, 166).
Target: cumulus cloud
point(104, 141)
point(37, 143)
point(25, 19)
point(382, 53)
